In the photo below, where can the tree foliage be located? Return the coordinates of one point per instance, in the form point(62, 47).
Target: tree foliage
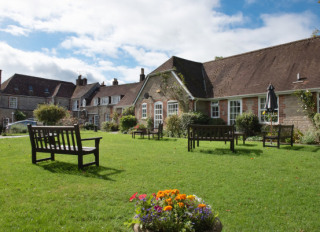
point(49, 114)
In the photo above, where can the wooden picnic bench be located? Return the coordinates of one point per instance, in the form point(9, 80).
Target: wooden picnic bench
point(210, 133)
point(279, 134)
point(61, 140)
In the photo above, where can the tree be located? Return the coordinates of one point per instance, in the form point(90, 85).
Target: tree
point(49, 114)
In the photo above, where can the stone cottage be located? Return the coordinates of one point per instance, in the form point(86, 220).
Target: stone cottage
point(227, 87)
point(24, 93)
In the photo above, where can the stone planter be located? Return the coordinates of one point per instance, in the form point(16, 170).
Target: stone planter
point(217, 227)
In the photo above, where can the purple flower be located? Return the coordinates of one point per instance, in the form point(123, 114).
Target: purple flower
point(158, 208)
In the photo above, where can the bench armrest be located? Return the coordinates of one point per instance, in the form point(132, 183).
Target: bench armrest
point(95, 138)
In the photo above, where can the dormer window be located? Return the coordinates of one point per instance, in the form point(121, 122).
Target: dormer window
point(16, 89)
point(104, 100)
point(96, 101)
point(46, 90)
point(84, 102)
point(115, 99)
point(30, 89)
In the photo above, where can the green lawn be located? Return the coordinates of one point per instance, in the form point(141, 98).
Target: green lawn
point(254, 189)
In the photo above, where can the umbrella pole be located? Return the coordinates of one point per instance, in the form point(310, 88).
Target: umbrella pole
point(271, 128)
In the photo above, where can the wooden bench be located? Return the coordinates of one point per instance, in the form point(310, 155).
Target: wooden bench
point(157, 131)
point(279, 132)
point(61, 140)
point(210, 133)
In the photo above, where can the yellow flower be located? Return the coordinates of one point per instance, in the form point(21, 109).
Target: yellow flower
point(167, 208)
point(264, 112)
point(190, 197)
point(175, 191)
point(160, 194)
point(181, 204)
point(201, 206)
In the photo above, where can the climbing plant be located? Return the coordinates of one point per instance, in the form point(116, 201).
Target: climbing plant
point(307, 103)
point(175, 91)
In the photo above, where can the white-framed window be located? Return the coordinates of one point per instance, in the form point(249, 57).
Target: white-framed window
point(144, 110)
point(96, 101)
point(115, 99)
point(215, 111)
point(158, 114)
point(107, 119)
point(84, 102)
point(13, 102)
point(104, 100)
point(235, 109)
point(75, 105)
point(264, 117)
point(173, 108)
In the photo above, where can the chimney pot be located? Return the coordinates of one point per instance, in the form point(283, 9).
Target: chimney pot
point(115, 81)
point(142, 76)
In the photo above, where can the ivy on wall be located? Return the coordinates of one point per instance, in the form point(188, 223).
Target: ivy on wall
point(175, 91)
point(307, 103)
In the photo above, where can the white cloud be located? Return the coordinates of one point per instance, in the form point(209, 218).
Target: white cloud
point(148, 32)
point(15, 30)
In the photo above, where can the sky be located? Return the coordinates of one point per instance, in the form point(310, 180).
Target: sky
point(106, 39)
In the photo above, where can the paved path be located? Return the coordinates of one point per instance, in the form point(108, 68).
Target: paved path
point(18, 136)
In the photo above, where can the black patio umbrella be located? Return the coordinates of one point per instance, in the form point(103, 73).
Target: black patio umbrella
point(271, 102)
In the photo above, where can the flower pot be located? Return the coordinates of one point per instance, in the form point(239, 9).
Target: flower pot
point(216, 228)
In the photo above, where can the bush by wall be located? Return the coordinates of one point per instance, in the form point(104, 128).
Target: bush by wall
point(310, 137)
point(126, 122)
point(49, 114)
point(217, 121)
point(174, 126)
point(248, 123)
point(19, 115)
point(18, 128)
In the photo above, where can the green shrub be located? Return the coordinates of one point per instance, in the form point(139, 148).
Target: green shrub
point(310, 137)
point(109, 126)
point(126, 122)
point(128, 111)
point(49, 114)
point(316, 120)
point(217, 121)
point(248, 123)
point(174, 127)
point(18, 128)
point(19, 115)
point(88, 126)
point(114, 126)
point(150, 123)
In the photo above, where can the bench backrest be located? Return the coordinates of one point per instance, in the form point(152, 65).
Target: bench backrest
point(64, 139)
point(283, 131)
point(211, 132)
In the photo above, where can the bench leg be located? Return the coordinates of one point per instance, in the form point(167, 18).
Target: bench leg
point(80, 161)
point(34, 157)
point(52, 156)
point(96, 155)
point(264, 141)
point(232, 145)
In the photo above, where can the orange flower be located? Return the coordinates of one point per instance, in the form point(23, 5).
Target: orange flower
point(175, 191)
point(181, 204)
point(201, 206)
point(181, 197)
point(160, 194)
point(169, 201)
point(167, 208)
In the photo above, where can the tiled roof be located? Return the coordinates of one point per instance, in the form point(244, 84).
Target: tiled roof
point(129, 91)
point(26, 85)
point(83, 90)
point(193, 74)
point(251, 73)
